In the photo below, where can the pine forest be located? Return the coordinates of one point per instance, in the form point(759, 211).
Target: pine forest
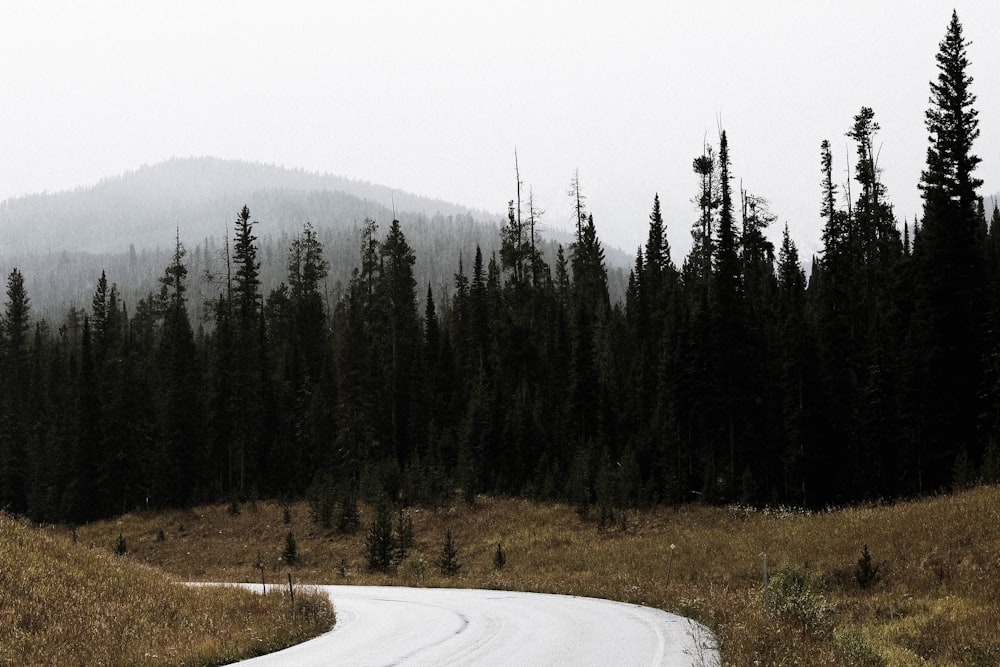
point(725, 377)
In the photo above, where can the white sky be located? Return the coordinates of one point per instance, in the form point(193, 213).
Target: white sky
point(433, 97)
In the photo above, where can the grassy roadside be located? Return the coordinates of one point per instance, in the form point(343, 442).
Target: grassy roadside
point(72, 604)
point(935, 599)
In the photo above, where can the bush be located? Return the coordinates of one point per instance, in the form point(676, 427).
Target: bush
point(448, 563)
point(413, 566)
point(795, 595)
point(120, 547)
point(855, 649)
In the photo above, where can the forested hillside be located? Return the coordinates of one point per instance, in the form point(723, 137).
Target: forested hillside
point(725, 378)
point(127, 227)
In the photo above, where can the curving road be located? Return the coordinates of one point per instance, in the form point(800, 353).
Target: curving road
point(381, 625)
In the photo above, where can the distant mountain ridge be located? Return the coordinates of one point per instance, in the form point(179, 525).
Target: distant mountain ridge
point(199, 196)
point(126, 225)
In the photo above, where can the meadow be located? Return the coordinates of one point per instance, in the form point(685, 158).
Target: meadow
point(78, 602)
point(929, 595)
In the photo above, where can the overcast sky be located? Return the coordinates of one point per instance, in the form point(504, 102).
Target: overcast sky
point(434, 97)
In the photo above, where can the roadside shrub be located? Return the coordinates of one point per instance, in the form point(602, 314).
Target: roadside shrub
point(413, 567)
point(854, 648)
point(796, 595)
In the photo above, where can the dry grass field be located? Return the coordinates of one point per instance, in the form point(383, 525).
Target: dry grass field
point(75, 604)
point(935, 600)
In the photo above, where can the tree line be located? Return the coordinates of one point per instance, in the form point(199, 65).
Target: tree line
point(729, 378)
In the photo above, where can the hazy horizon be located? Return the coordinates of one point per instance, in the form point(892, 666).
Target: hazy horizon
point(435, 99)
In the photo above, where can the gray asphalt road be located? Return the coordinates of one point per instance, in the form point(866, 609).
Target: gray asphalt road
point(433, 626)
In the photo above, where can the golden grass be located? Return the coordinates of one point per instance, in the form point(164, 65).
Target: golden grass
point(937, 603)
point(70, 604)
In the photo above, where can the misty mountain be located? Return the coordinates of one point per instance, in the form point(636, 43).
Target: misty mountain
point(199, 197)
point(126, 225)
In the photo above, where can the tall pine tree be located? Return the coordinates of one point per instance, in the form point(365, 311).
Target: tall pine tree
point(950, 277)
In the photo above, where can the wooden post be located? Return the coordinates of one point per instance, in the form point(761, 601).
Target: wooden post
point(260, 566)
point(670, 563)
point(764, 560)
point(291, 591)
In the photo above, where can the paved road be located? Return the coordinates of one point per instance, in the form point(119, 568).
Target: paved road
point(379, 625)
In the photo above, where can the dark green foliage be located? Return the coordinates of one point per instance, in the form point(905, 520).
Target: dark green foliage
point(121, 548)
point(950, 297)
point(797, 594)
point(379, 540)
point(322, 501)
point(499, 557)
point(348, 518)
point(729, 378)
point(448, 562)
point(18, 459)
point(866, 572)
point(290, 552)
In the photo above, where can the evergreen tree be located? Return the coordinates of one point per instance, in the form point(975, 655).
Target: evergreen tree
point(499, 557)
point(179, 459)
point(448, 562)
point(249, 396)
point(290, 552)
point(727, 307)
point(699, 265)
point(88, 465)
point(16, 410)
point(379, 540)
point(307, 268)
point(300, 349)
point(950, 277)
point(658, 264)
point(797, 372)
point(399, 337)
